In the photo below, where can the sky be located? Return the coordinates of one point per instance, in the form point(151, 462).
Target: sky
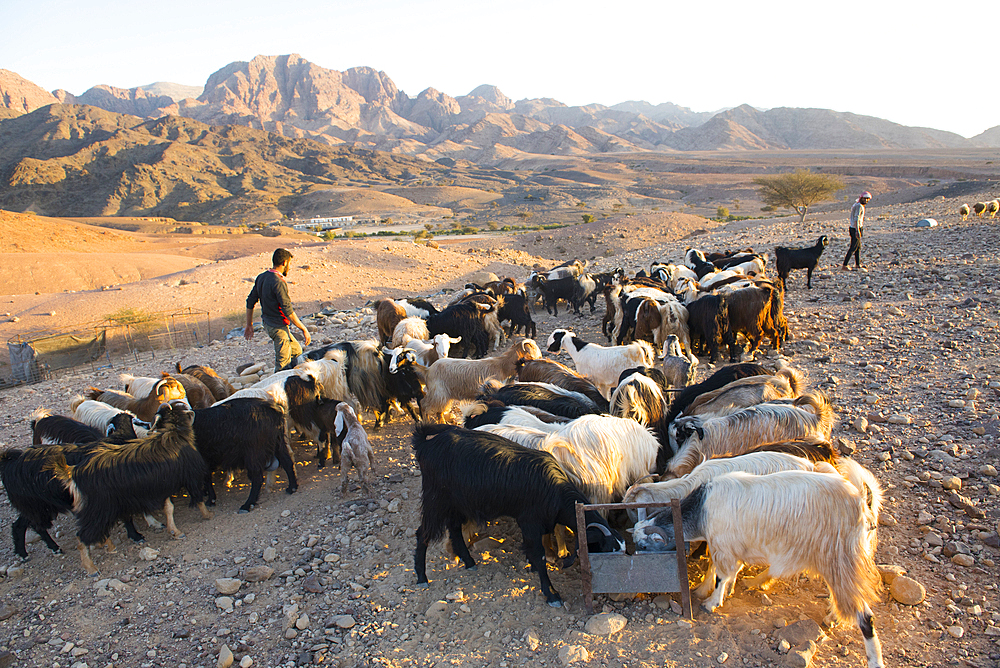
point(893, 60)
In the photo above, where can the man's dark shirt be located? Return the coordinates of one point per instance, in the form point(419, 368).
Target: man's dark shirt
point(271, 291)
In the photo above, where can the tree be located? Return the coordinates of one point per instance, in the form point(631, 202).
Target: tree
point(798, 190)
point(722, 213)
point(588, 218)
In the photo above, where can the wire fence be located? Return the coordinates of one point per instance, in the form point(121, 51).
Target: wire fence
point(121, 339)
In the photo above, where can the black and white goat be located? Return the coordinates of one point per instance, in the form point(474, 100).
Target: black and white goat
point(471, 476)
point(467, 321)
point(545, 396)
point(601, 365)
point(550, 371)
point(799, 258)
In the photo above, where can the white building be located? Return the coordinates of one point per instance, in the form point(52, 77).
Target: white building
point(323, 224)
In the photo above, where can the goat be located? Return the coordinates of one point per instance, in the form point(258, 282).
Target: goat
point(601, 365)
point(388, 314)
point(696, 261)
point(470, 476)
point(494, 412)
point(355, 450)
point(196, 393)
point(992, 207)
point(678, 369)
point(414, 306)
point(117, 481)
point(216, 384)
point(638, 397)
point(331, 374)
point(720, 378)
point(48, 429)
point(404, 382)
point(749, 312)
point(428, 352)
point(465, 321)
point(979, 208)
point(514, 308)
point(799, 258)
point(100, 415)
point(708, 324)
point(753, 519)
point(143, 407)
point(451, 379)
point(413, 327)
point(550, 371)
point(545, 396)
point(786, 383)
point(964, 211)
point(696, 439)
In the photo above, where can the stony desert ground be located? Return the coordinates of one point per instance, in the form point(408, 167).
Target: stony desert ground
point(908, 348)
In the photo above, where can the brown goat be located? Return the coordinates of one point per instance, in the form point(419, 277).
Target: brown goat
point(216, 384)
point(554, 373)
point(749, 315)
point(144, 407)
point(388, 314)
point(198, 394)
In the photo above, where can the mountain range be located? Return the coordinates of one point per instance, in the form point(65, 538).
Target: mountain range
point(363, 108)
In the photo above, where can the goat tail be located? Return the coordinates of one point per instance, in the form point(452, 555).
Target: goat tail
point(474, 409)
point(177, 365)
point(490, 387)
point(93, 393)
point(37, 415)
point(649, 359)
point(855, 580)
point(795, 378)
point(7, 456)
point(822, 407)
point(423, 431)
point(75, 402)
point(63, 473)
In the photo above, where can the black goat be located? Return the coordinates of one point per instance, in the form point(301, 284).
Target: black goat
point(404, 380)
point(471, 476)
point(48, 429)
point(331, 434)
point(118, 481)
point(493, 412)
point(515, 309)
point(708, 324)
point(550, 371)
point(787, 259)
point(415, 306)
point(467, 321)
point(244, 435)
point(551, 398)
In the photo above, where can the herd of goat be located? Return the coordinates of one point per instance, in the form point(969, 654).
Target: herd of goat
point(747, 450)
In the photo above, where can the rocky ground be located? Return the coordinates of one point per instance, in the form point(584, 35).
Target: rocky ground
point(908, 348)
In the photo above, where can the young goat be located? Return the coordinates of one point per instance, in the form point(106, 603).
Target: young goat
point(794, 522)
point(471, 476)
point(355, 449)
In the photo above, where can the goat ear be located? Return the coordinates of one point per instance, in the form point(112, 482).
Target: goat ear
point(701, 433)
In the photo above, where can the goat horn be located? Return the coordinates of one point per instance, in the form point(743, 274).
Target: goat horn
point(658, 530)
point(605, 530)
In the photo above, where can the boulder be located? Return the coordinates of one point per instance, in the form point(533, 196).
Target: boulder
point(605, 624)
point(907, 590)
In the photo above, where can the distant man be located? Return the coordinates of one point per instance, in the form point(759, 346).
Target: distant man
point(271, 290)
point(857, 230)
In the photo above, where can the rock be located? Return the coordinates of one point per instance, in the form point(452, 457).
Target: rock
point(952, 482)
point(302, 623)
point(783, 646)
point(846, 446)
point(765, 599)
point(437, 609)
point(224, 603)
point(890, 572)
point(956, 631)
point(7, 611)
point(572, 653)
point(722, 658)
point(291, 633)
point(148, 554)
point(860, 424)
point(225, 657)
point(605, 624)
point(927, 222)
point(228, 586)
point(893, 310)
point(979, 431)
point(800, 656)
point(246, 661)
point(801, 632)
point(899, 418)
point(258, 573)
point(964, 560)
point(924, 517)
point(311, 584)
point(532, 639)
point(988, 470)
point(886, 520)
point(393, 506)
point(871, 399)
point(951, 548)
point(906, 590)
point(934, 540)
point(270, 554)
point(345, 622)
point(956, 403)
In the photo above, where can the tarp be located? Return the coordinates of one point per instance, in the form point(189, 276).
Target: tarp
point(29, 360)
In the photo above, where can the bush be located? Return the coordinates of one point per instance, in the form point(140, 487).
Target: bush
point(722, 213)
point(588, 218)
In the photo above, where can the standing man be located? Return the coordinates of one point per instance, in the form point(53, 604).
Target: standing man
point(271, 290)
point(857, 230)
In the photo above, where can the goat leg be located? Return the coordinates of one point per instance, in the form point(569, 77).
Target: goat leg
point(133, 533)
point(460, 548)
point(532, 536)
point(88, 563)
point(168, 510)
point(256, 482)
point(205, 512)
point(152, 522)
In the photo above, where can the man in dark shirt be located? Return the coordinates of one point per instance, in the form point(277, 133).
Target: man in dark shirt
point(271, 290)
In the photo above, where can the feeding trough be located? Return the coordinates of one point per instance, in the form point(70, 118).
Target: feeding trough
point(645, 572)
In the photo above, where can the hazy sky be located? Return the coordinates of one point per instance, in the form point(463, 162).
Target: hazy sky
point(894, 60)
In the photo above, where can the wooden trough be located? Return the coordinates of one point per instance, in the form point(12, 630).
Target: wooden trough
point(642, 572)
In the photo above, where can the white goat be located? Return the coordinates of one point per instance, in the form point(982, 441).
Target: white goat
point(792, 521)
point(98, 415)
point(695, 438)
point(355, 450)
point(453, 379)
point(414, 327)
point(603, 455)
point(331, 372)
point(602, 365)
point(427, 352)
